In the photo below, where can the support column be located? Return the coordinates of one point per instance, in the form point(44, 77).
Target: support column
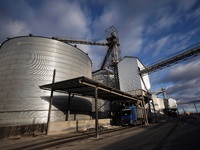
point(75, 116)
point(68, 106)
point(150, 112)
point(196, 108)
point(50, 102)
point(96, 113)
point(155, 113)
point(145, 112)
point(183, 111)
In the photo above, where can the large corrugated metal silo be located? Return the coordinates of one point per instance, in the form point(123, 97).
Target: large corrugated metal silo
point(28, 62)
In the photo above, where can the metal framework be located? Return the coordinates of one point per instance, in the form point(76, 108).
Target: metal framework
point(82, 41)
point(192, 52)
point(87, 87)
point(112, 56)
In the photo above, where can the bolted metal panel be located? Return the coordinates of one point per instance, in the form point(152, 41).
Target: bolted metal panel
point(28, 62)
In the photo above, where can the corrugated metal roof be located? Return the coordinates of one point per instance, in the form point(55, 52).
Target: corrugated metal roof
point(86, 87)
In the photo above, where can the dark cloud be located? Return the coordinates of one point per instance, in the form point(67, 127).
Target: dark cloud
point(183, 80)
point(183, 72)
point(185, 92)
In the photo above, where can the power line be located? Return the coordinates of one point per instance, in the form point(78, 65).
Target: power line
point(195, 101)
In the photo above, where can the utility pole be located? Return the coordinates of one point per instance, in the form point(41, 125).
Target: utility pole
point(183, 111)
point(50, 103)
point(195, 107)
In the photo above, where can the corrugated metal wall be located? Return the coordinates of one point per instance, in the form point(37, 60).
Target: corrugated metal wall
point(129, 78)
point(26, 63)
point(158, 103)
point(172, 103)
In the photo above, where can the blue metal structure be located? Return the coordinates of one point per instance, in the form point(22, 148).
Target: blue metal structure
point(129, 116)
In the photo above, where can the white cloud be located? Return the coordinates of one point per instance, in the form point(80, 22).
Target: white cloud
point(108, 18)
point(197, 12)
point(63, 18)
point(166, 21)
point(184, 5)
point(194, 15)
point(186, 91)
point(183, 79)
point(189, 71)
point(160, 45)
point(15, 28)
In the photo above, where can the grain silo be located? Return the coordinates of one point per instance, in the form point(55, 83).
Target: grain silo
point(27, 62)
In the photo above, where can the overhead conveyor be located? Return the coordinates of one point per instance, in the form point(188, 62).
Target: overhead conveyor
point(176, 58)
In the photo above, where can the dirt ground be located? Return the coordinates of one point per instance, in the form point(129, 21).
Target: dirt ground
point(181, 133)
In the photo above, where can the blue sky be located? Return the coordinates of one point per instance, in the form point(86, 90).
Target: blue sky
point(148, 29)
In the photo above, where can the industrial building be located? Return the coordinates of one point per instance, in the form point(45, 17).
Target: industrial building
point(28, 65)
point(27, 62)
point(129, 80)
point(159, 105)
point(172, 104)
